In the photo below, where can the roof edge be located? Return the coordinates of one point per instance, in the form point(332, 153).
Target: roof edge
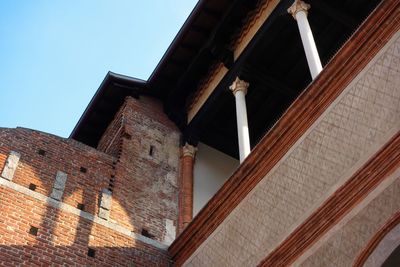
point(178, 37)
point(110, 78)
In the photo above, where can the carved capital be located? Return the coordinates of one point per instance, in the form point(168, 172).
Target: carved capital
point(189, 150)
point(297, 6)
point(239, 85)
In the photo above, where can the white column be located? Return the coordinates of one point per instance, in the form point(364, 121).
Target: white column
point(239, 90)
point(299, 13)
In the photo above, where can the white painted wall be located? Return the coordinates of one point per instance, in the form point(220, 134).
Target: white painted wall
point(211, 169)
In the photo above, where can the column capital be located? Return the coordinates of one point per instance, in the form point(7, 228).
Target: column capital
point(298, 6)
point(239, 85)
point(188, 150)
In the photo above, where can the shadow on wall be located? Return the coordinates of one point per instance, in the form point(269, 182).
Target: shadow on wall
point(36, 255)
point(47, 206)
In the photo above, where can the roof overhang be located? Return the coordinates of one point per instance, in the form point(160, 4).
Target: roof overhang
point(272, 61)
point(104, 105)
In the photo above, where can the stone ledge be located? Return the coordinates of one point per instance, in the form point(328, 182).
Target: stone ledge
point(70, 209)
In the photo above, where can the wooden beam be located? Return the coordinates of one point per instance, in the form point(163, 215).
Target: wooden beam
point(200, 29)
point(189, 47)
point(268, 82)
point(223, 54)
point(338, 14)
point(224, 144)
point(178, 62)
point(212, 13)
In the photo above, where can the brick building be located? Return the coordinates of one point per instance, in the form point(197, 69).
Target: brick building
point(269, 134)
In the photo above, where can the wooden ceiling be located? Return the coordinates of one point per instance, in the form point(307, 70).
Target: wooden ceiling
point(273, 63)
point(275, 66)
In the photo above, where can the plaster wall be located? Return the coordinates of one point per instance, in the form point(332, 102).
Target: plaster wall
point(211, 169)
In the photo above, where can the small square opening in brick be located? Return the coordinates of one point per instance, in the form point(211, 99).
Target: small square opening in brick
point(91, 252)
point(80, 206)
point(41, 152)
point(83, 170)
point(146, 233)
point(33, 230)
point(127, 136)
point(151, 151)
point(32, 187)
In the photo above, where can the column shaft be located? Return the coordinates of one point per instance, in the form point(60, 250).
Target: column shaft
point(299, 11)
point(186, 187)
point(239, 90)
point(307, 38)
point(242, 125)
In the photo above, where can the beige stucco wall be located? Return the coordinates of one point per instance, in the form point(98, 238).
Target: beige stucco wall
point(363, 118)
point(211, 169)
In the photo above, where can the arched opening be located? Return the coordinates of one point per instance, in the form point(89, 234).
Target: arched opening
point(393, 259)
point(384, 247)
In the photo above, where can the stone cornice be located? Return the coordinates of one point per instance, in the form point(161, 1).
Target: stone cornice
point(372, 35)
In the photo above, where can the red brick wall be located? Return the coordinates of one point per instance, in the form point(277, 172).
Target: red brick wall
point(111, 141)
point(63, 238)
point(60, 155)
point(145, 187)
point(143, 184)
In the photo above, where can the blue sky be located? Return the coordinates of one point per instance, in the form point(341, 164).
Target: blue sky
point(55, 53)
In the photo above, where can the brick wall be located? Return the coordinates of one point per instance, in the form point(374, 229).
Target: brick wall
point(146, 145)
point(111, 141)
point(137, 161)
point(63, 238)
point(82, 186)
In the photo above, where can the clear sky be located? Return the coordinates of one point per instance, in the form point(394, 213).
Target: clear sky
point(55, 53)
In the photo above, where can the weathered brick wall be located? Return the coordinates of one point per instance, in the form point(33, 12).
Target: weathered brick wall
point(63, 238)
point(111, 141)
point(146, 143)
point(139, 168)
point(82, 186)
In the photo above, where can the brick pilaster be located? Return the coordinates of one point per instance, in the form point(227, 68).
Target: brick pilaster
point(186, 187)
